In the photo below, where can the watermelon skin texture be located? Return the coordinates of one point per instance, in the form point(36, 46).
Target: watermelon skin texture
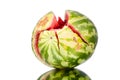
point(64, 74)
point(64, 44)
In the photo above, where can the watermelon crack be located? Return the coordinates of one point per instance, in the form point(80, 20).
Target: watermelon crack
point(57, 39)
point(61, 24)
point(36, 42)
point(78, 33)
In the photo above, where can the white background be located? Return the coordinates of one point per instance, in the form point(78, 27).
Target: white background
point(18, 18)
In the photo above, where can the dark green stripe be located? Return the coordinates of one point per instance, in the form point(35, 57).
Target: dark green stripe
point(80, 22)
point(44, 52)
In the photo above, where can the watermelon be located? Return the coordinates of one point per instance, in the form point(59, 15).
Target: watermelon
point(64, 43)
point(64, 74)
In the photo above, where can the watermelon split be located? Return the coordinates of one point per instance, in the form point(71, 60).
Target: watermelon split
point(64, 43)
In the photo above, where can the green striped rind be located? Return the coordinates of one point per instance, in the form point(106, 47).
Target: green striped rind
point(69, 74)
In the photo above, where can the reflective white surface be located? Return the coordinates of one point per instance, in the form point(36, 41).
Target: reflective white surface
point(18, 18)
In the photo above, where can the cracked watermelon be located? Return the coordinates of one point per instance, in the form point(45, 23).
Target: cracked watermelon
point(67, 74)
point(64, 43)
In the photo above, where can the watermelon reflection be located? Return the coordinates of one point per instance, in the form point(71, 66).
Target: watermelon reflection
point(64, 74)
